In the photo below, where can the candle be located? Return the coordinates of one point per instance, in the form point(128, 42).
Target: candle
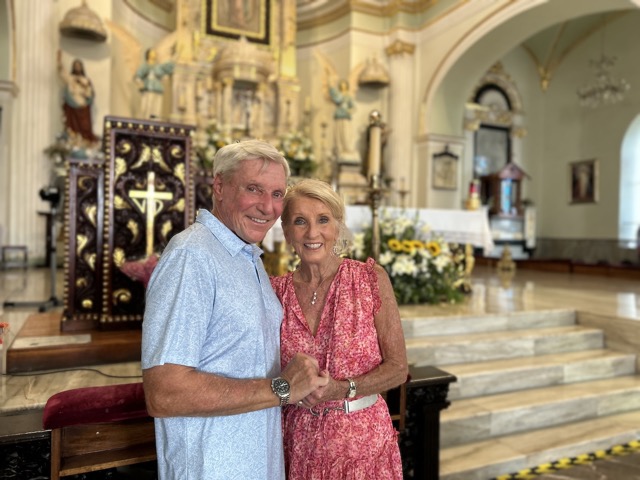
point(307, 104)
point(402, 185)
point(473, 188)
point(374, 150)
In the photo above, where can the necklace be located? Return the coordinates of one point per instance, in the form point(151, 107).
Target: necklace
point(314, 298)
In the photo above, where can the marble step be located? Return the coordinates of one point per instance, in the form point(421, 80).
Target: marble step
point(481, 418)
point(486, 459)
point(479, 347)
point(499, 376)
point(416, 325)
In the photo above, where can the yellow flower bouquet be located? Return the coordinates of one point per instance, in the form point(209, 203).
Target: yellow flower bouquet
point(422, 267)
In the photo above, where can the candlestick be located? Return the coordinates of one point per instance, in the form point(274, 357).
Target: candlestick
point(375, 195)
point(375, 130)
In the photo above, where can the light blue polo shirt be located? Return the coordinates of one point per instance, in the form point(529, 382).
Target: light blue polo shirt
point(210, 305)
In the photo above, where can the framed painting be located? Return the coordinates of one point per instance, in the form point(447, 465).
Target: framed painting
point(445, 170)
point(583, 181)
point(235, 19)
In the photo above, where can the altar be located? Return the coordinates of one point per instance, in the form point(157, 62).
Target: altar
point(468, 227)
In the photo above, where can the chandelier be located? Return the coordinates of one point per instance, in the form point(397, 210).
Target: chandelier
point(605, 89)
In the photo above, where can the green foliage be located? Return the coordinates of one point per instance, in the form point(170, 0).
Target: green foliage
point(422, 267)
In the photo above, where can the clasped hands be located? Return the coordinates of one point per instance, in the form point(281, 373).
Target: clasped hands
point(309, 385)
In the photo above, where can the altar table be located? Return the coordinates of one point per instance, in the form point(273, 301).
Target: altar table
point(454, 226)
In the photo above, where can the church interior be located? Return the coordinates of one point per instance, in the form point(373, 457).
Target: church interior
point(507, 126)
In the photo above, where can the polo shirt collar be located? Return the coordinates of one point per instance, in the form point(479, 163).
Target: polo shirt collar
point(227, 238)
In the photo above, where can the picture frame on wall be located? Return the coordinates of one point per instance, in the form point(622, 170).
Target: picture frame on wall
point(232, 19)
point(445, 170)
point(583, 181)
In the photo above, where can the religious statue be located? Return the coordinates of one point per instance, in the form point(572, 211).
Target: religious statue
point(149, 78)
point(78, 96)
point(344, 103)
point(341, 92)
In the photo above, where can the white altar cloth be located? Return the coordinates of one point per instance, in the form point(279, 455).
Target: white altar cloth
point(454, 226)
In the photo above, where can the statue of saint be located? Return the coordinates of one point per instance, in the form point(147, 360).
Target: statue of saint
point(344, 141)
point(78, 96)
point(149, 78)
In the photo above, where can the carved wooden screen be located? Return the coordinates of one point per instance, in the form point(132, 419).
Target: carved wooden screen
point(83, 247)
point(204, 190)
point(148, 198)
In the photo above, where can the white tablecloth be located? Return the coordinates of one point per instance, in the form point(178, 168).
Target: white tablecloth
point(456, 226)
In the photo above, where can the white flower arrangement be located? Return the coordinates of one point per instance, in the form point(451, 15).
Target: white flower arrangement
point(298, 150)
point(422, 267)
point(215, 140)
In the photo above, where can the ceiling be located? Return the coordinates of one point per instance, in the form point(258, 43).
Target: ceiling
point(549, 47)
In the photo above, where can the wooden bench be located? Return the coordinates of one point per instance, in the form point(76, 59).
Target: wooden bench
point(96, 428)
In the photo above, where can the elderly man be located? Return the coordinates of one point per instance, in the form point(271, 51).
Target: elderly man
point(211, 332)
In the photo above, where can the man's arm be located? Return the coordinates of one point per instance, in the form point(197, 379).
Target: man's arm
point(176, 390)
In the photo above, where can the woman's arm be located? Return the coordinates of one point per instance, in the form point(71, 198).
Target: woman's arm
point(393, 370)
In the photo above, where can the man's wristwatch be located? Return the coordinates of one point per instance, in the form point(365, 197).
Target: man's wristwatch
point(352, 388)
point(282, 389)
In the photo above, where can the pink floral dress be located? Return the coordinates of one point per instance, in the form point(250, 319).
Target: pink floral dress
point(361, 445)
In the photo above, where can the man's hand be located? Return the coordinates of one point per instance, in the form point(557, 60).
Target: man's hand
point(303, 375)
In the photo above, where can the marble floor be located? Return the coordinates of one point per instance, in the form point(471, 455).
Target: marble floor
point(23, 396)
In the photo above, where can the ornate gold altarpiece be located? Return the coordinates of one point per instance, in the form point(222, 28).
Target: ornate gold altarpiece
point(121, 212)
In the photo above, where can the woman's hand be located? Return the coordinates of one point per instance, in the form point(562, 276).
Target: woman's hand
point(333, 390)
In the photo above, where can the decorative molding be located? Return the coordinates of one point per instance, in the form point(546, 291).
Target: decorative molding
point(165, 5)
point(398, 47)
point(310, 16)
point(494, 115)
point(11, 87)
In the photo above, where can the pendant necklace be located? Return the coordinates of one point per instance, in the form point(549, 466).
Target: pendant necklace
point(314, 298)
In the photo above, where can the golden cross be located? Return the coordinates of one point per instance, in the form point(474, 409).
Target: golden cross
point(151, 202)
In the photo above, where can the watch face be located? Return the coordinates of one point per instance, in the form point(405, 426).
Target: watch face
point(280, 386)
point(352, 389)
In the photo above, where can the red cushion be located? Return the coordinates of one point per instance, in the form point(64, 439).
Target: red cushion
point(89, 405)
